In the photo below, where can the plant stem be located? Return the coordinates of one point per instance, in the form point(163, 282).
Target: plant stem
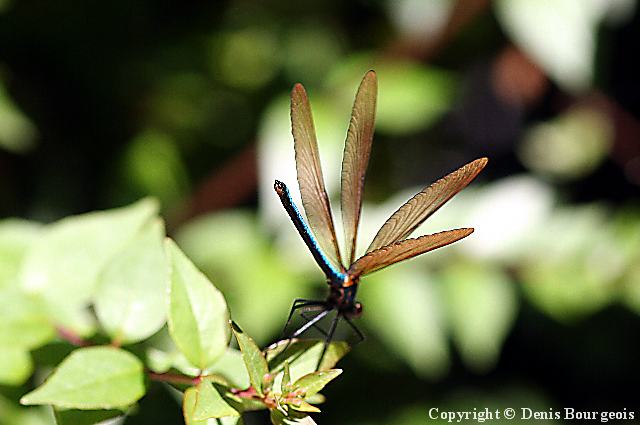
point(71, 337)
point(174, 378)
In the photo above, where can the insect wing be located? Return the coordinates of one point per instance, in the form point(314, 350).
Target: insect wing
point(417, 209)
point(314, 195)
point(403, 250)
point(357, 150)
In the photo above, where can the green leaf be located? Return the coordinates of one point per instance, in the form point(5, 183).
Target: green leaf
point(194, 406)
point(292, 417)
point(162, 355)
point(303, 355)
point(303, 406)
point(232, 367)
point(286, 378)
point(64, 264)
point(188, 406)
point(210, 404)
point(23, 320)
point(129, 300)
point(193, 400)
point(15, 238)
point(214, 243)
point(92, 378)
point(16, 365)
point(313, 382)
point(84, 417)
point(482, 304)
point(244, 404)
point(253, 359)
point(198, 316)
point(317, 398)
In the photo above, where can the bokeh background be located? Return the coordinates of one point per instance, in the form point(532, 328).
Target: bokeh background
point(102, 103)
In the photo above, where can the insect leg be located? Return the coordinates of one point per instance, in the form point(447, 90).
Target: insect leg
point(361, 336)
point(315, 326)
point(298, 303)
point(329, 335)
point(310, 323)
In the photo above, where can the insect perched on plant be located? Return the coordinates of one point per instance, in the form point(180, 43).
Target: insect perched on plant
point(391, 244)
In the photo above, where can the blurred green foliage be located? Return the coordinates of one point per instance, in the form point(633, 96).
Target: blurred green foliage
point(153, 316)
point(538, 308)
point(17, 133)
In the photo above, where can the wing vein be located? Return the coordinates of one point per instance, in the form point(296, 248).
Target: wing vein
point(421, 206)
point(310, 180)
point(403, 250)
point(357, 151)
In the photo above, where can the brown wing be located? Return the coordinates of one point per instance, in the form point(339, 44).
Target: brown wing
point(357, 149)
point(417, 209)
point(403, 250)
point(314, 195)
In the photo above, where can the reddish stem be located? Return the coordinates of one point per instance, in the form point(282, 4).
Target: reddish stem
point(174, 378)
point(248, 393)
point(71, 337)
